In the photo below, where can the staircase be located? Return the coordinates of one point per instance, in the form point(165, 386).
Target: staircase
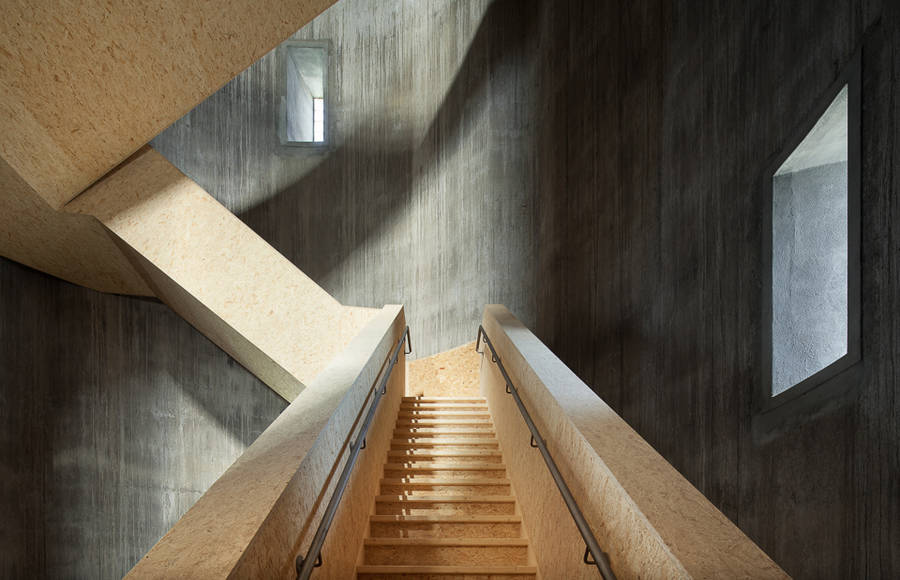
point(446, 510)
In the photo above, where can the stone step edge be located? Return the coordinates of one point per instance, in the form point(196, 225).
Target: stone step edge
point(447, 481)
point(444, 399)
point(432, 466)
point(458, 498)
point(447, 570)
point(473, 542)
point(446, 518)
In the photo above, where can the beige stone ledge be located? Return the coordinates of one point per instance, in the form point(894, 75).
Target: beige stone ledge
point(75, 248)
point(265, 509)
point(646, 515)
point(218, 274)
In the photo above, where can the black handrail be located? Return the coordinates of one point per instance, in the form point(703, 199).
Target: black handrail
point(592, 546)
point(313, 557)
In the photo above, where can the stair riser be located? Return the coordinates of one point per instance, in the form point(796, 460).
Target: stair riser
point(445, 530)
point(438, 489)
point(444, 508)
point(448, 472)
point(446, 555)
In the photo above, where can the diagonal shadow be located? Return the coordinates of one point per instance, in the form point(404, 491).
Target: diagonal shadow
point(359, 189)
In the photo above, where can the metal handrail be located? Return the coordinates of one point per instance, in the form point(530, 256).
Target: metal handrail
point(313, 557)
point(592, 546)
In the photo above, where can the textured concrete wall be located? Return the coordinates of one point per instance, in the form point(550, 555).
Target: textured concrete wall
point(425, 196)
point(115, 417)
point(809, 272)
point(657, 122)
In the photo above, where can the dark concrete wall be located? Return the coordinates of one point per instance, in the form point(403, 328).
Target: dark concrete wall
point(656, 121)
point(425, 196)
point(115, 416)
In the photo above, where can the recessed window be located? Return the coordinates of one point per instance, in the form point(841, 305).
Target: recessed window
point(306, 66)
point(810, 251)
point(813, 250)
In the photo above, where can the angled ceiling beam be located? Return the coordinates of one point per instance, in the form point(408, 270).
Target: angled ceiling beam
point(85, 83)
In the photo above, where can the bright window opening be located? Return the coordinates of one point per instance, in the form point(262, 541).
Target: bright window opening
point(318, 120)
point(810, 252)
point(305, 95)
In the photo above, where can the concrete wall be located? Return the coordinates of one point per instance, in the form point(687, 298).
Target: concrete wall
point(809, 272)
point(657, 121)
point(115, 417)
point(425, 195)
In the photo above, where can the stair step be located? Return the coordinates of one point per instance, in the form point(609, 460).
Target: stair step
point(480, 436)
point(442, 486)
point(423, 480)
point(450, 431)
point(445, 505)
point(370, 572)
point(446, 526)
point(443, 413)
point(444, 399)
point(447, 518)
point(445, 551)
point(491, 456)
point(443, 423)
point(418, 443)
point(443, 406)
point(458, 470)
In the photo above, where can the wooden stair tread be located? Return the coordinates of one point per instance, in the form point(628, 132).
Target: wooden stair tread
point(401, 434)
point(447, 453)
point(444, 412)
point(441, 406)
point(435, 466)
point(485, 570)
point(447, 518)
point(444, 399)
point(446, 481)
point(459, 498)
point(443, 423)
point(449, 441)
point(446, 440)
point(445, 541)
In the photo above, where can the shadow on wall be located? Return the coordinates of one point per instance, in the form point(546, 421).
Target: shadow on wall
point(388, 213)
point(116, 416)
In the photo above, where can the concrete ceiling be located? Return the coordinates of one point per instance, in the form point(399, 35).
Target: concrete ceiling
point(84, 84)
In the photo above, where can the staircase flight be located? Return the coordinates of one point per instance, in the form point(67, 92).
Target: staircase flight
point(446, 507)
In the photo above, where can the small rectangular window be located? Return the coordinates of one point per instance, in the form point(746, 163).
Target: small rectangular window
point(306, 74)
